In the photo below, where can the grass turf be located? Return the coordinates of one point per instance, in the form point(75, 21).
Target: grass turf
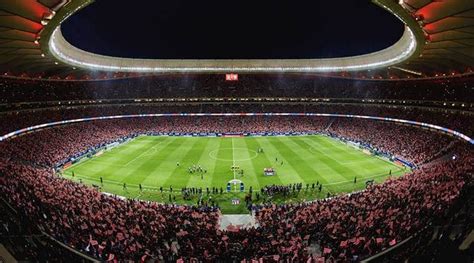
point(152, 162)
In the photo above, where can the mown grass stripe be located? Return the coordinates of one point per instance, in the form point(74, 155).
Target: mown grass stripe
point(224, 161)
point(180, 175)
point(242, 158)
point(138, 169)
point(318, 173)
point(158, 167)
point(208, 163)
point(361, 161)
point(293, 168)
point(327, 169)
point(259, 163)
point(363, 171)
point(301, 164)
point(341, 170)
point(106, 167)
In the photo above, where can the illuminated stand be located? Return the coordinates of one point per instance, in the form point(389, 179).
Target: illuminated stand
point(30, 129)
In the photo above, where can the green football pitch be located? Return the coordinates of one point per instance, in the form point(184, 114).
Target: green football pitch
point(165, 161)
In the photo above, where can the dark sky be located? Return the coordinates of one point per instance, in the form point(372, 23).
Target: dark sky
point(241, 29)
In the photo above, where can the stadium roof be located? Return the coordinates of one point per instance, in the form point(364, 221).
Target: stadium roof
point(438, 41)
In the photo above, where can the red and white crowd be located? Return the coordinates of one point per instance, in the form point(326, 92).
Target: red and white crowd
point(13, 120)
point(24, 90)
point(343, 228)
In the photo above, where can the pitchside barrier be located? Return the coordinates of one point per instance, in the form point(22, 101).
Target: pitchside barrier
point(96, 149)
point(99, 149)
point(35, 128)
point(370, 150)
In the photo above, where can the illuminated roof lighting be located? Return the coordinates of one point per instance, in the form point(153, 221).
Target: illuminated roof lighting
point(61, 49)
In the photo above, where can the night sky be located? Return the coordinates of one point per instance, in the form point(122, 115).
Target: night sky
point(245, 29)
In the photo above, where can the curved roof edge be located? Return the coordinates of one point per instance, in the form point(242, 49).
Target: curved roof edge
point(399, 52)
point(409, 45)
point(443, 31)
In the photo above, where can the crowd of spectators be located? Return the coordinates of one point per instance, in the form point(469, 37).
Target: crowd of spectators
point(104, 226)
point(462, 121)
point(352, 227)
point(407, 143)
point(22, 90)
point(285, 190)
point(445, 239)
point(26, 243)
point(70, 140)
point(343, 228)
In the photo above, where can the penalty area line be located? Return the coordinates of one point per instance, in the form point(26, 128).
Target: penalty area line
point(142, 154)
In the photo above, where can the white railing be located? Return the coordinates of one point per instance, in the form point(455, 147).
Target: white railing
point(454, 133)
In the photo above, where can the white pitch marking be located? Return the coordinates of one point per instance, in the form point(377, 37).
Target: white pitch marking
point(233, 156)
point(143, 153)
point(213, 153)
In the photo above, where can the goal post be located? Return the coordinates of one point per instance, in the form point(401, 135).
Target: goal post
point(235, 185)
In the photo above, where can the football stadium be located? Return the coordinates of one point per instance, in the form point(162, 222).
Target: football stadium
point(148, 163)
point(186, 131)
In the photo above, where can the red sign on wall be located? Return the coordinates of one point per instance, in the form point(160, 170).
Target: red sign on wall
point(232, 77)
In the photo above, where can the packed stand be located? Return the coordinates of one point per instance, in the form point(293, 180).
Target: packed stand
point(51, 146)
point(23, 90)
point(406, 142)
point(343, 228)
point(462, 121)
point(352, 227)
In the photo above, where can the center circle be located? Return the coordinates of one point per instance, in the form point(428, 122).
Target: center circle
point(252, 154)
